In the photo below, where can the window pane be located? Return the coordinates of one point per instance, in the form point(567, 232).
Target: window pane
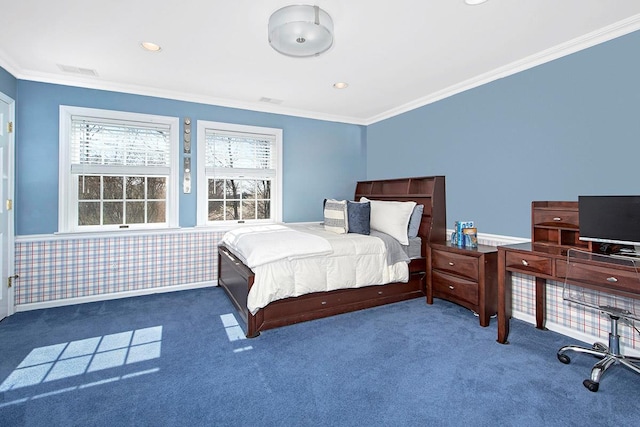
point(216, 211)
point(248, 189)
point(157, 212)
point(89, 213)
point(113, 187)
point(216, 189)
point(135, 213)
point(112, 212)
point(248, 210)
point(135, 188)
point(157, 188)
point(232, 190)
point(264, 190)
point(88, 188)
point(264, 210)
point(232, 212)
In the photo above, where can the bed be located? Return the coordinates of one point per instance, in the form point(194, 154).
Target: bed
point(237, 279)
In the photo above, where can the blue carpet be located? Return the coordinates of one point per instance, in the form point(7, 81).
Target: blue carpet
point(168, 360)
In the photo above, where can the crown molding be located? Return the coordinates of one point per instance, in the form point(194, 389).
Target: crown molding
point(93, 83)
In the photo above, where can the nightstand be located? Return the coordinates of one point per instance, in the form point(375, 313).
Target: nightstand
point(465, 276)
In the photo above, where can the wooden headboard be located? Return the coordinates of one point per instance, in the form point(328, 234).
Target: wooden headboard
point(425, 190)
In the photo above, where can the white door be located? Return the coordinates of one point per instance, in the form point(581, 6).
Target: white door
point(6, 201)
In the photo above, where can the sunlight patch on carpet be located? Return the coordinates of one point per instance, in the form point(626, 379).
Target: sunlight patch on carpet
point(74, 358)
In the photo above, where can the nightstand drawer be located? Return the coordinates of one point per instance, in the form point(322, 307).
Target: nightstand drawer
point(461, 265)
point(528, 263)
point(458, 289)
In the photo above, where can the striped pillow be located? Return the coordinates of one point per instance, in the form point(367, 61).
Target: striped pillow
point(335, 216)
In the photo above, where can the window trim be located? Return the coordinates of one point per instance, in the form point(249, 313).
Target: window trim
point(67, 192)
point(202, 205)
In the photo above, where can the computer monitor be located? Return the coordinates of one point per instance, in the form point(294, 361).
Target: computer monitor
point(611, 219)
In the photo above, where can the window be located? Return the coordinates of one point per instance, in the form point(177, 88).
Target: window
point(239, 174)
point(117, 170)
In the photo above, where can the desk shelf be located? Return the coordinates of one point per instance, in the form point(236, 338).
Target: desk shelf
point(555, 225)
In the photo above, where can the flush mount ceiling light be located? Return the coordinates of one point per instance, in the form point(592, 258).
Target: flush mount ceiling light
point(474, 2)
point(300, 31)
point(341, 85)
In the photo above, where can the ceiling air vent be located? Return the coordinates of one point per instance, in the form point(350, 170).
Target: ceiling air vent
point(271, 100)
point(78, 70)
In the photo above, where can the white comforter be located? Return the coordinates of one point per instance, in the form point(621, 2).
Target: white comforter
point(354, 260)
point(268, 243)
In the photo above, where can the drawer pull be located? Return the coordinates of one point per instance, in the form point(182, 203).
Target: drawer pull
point(323, 303)
point(451, 287)
point(525, 263)
point(557, 218)
point(379, 292)
point(612, 279)
point(451, 263)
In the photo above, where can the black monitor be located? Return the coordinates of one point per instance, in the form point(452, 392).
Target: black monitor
point(611, 219)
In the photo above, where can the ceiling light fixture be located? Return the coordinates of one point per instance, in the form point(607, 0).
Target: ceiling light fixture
point(151, 47)
point(474, 2)
point(341, 85)
point(300, 31)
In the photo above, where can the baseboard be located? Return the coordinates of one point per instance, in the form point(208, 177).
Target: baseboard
point(117, 295)
point(587, 339)
point(494, 239)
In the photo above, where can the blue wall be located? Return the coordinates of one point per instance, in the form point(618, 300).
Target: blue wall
point(8, 84)
point(556, 131)
point(321, 159)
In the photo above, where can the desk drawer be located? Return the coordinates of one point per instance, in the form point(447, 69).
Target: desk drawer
point(466, 266)
point(454, 288)
point(555, 217)
point(528, 263)
point(599, 276)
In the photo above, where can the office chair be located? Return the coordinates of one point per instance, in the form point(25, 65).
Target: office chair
point(618, 307)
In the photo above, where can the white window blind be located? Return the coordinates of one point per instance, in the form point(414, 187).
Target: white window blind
point(237, 154)
point(101, 144)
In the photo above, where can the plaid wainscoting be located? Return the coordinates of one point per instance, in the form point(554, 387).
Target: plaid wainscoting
point(53, 268)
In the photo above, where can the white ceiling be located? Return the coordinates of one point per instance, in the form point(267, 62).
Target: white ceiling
point(395, 55)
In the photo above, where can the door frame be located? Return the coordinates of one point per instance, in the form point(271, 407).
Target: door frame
point(9, 254)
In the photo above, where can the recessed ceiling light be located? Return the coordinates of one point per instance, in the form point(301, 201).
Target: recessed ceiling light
point(151, 47)
point(340, 85)
point(474, 2)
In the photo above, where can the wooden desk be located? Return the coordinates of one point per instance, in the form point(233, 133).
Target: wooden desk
point(605, 274)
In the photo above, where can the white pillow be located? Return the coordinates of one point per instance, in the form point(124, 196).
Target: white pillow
point(391, 218)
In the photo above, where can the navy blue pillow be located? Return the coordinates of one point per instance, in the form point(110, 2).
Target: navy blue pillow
point(359, 216)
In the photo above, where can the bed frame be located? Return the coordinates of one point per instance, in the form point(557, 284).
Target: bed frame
point(236, 278)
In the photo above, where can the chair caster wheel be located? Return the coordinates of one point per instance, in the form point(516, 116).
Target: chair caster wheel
point(592, 386)
point(564, 358)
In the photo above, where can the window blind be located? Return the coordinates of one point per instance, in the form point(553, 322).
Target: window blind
point(116, 143)
point(233, 153)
